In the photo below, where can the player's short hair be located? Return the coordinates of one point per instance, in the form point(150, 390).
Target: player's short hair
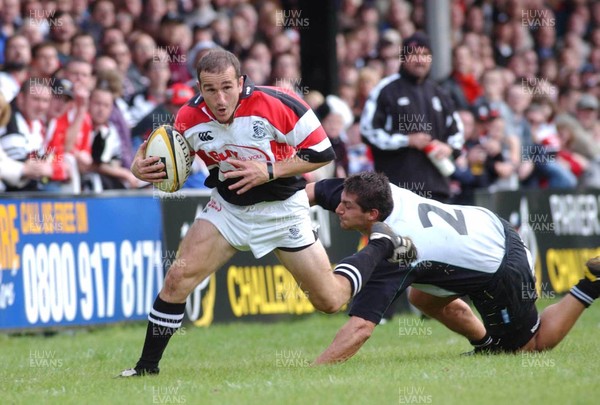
point(217, 61)
point(372, 191)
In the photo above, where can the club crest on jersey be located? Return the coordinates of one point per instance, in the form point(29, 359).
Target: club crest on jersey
point(294, 232)
point(260, 131)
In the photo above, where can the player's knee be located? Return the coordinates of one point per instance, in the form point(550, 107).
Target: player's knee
point(454, 311)
point(328, 306)
point(177, 283)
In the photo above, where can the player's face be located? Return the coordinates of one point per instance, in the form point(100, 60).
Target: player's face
point(352, 215)
point(221, 91)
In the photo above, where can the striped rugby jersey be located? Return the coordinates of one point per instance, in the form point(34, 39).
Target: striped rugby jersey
point(270, 124)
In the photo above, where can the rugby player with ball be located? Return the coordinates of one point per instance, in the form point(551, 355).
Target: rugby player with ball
point(256, 142)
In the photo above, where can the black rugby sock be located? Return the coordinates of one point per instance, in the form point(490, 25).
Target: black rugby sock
point(163, 321)
point(586, 291)
point(359, 267)
point(483, 342)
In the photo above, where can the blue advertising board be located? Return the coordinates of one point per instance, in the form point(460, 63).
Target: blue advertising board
point(78, 261)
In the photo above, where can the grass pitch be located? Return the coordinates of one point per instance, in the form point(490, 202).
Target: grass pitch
point(406, 361)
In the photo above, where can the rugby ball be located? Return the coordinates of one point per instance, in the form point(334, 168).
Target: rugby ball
point(175, 152)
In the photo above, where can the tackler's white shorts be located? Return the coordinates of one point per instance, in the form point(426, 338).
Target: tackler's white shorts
point(264, 226)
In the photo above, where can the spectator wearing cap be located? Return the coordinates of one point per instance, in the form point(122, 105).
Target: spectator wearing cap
point(462, 84)
point(587, 114)
point(404, 114)
point(17, 56)
point(23, 137)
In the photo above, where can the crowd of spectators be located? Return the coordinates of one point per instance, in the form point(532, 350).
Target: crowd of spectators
point(83, 82)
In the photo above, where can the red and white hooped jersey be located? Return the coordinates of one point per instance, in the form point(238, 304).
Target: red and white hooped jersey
point(270, 124)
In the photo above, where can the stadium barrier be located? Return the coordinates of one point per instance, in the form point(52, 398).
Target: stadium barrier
point(561, 229)
point(78, 260)
point(96, 259)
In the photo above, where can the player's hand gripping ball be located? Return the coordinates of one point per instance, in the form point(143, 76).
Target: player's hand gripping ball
point(175, 152)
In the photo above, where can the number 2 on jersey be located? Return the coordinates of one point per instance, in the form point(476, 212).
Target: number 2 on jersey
point(458, 223)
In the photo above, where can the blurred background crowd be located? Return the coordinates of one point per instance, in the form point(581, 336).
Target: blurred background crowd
point(83, 83)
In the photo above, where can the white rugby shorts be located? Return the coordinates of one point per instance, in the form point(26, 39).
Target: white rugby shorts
point(264, 226)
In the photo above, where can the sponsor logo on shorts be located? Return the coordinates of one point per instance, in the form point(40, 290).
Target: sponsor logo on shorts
point(260, 131)
point(294, 232)
point(212, 204)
